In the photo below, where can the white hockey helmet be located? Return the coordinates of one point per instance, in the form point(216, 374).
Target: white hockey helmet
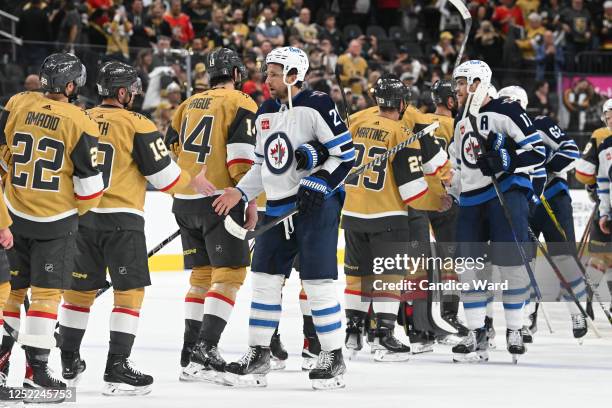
point(492, 92)
point(472, 70)
point(516, 93)
point(607, 106)
point(290, 58)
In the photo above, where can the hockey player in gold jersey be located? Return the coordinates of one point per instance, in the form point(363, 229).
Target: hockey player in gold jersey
point(6, 243)
point(212, 134)
point(111, 235)
point(375, 216)
point(53, 177)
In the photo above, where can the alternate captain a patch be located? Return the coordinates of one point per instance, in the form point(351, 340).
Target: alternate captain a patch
point(278, 152)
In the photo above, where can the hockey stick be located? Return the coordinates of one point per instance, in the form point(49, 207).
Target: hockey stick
point(587, 280)
point(241, 233)
point(467, 18)
point(563, 281)
point(586, 234)
point(346, 107)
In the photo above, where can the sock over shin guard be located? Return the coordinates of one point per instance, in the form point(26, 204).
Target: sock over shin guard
point(265, 307)
point(326, 312)
point(308, 326)
point(515, 296)
point(73, 318)
point(12, 315)
point(124, 320)
point(194, 302)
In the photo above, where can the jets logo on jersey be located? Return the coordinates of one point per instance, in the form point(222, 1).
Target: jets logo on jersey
point(470, 150)
point(278, 153)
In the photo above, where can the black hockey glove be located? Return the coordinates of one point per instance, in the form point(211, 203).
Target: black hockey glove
point(310, 155)
point(493, 162)
point(311, 194)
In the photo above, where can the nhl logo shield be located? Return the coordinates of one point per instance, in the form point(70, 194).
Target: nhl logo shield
point(49, 267)
point(122, 270)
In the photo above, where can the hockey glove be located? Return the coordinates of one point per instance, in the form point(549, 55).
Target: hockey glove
point(311, 194)
point(310, 155)
point(496, 141)
point(493, 162)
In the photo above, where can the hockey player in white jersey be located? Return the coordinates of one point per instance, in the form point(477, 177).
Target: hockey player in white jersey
point(550, 181)
point(506, 146)
point(294, 130)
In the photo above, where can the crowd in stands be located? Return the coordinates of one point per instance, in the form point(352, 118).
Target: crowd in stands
point(350, 44)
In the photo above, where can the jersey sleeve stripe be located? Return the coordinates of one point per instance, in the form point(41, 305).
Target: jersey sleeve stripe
point(419, 195)
point(338, 140)
point(237, 161)
point(240, 151)
point(587, 171)
point(166, 177)
point(413, 189)
point(530, 139)
point(350, 155)
point(88, 187)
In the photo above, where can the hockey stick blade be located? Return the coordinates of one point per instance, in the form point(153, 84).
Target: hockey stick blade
point(242, 233)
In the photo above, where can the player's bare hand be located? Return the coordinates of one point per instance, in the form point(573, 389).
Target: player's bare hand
point(251, 216)
point(226, 201)
point(446, 203)
point(201, 184)
point(603, 225)
point(6, 238)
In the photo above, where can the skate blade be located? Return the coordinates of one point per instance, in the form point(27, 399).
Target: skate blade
point(384, 356)
point(75, 381)
point(246, 381)
point(30, 384)
point(328, 383)
point(198, 373)
point(515, 358)
point(352, 353)
point(122, 389)
point(276, 364)
point(416, 348)
point(474, 357)
point(308, 363)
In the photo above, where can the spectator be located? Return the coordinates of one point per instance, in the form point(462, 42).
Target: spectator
point(268, 29)
point(265, 48)
point(353, 68)
point(118, 33)
point(539, 102)
point(388, 12)
point(144, 59)
point(577, 24)
point(32, 83)
point(162, 53)
point(528, 6)
point(549, 59)
point(255, 83)
point(331, 33)
point(173, 95)
point(70, 27)
point(329, 58)
point(605, 33)
point(409, 80)
point(156, 26)
point(293, 12)
point(200, 85)
point(199, 52)
point(140, 37)
point(306, 31)
point(162, 116)
point(488, 45)
point(443, 53)
point(214, 29)
point(34, 26)
point(507, 14)
point(200, 14)
point(534, 37)
point(577, 100)
point(182, 30)
point(239, 27)
point(551, 14)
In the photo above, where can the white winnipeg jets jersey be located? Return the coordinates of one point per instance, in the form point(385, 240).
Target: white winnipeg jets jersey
point(280, 131)
point(498, 116)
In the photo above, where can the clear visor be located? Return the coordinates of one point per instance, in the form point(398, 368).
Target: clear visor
point(81, 79)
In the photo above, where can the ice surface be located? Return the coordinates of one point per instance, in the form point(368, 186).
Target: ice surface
point(556, 371)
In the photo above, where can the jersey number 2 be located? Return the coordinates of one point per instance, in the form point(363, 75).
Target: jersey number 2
point(190, 140)
point(24, 155)
point(379, 168)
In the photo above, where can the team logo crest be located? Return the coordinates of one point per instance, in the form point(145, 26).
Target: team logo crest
point(278, 152)
point(470, 150)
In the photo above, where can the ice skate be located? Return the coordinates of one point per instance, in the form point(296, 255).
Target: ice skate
point(533, 328)
point(251, 369)
point(452, 319)
point(186, 354)
point(527, 336)
point(393, 350)
point(39, 375)
point(122, 379)
point(328, 374)
point(354, 336)
point(473, 348)
point(579, 327)
point(421, 341)
point(515, 345)
point(278, 352)
point(490, 332)
point(72, 367)
point(310, 353)
point(206, 365)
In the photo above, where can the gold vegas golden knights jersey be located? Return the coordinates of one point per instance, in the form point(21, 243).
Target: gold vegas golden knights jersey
point(53, 174)
point(215, 128)
point(586, 167)
point(131, 151)
point(378, 199)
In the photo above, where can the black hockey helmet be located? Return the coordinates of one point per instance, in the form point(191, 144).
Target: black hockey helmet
point(389, 92)
point(441, 90)
point(58, 70)
point(114, 75)
point(221, 63)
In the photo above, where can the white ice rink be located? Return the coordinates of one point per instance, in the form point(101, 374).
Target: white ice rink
point(555, 372)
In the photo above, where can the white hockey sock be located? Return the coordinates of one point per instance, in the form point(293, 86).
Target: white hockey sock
point(40, 323)
point(13, 319)
point(326, 312)
point(265, 307)
point(474, 300)
point(515, 296)
point(386, 305)
point(304, 306)
point(194, 308)
point(218, 305)
point(569, 270)
point(356, 300)
point(75, 317)
point(123, 320)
